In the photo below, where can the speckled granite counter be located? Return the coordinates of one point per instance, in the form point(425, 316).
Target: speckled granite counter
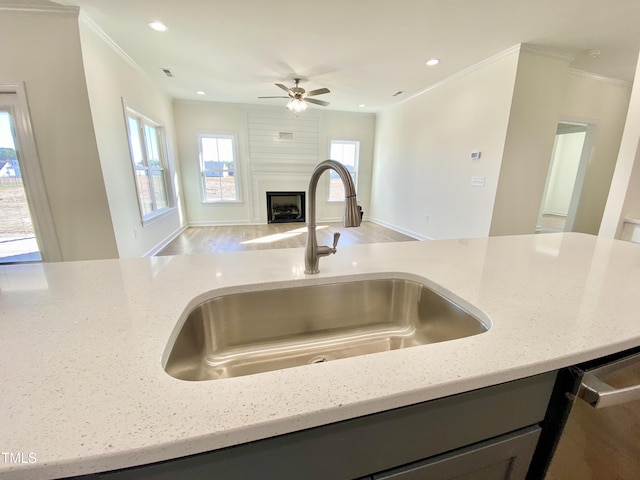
point(82, 344)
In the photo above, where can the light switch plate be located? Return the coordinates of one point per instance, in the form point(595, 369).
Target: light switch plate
point(477, 181)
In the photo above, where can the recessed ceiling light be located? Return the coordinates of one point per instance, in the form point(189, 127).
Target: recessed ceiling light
point(432, 62)
point(362, 105)
point(200, 92)
point(158, 26)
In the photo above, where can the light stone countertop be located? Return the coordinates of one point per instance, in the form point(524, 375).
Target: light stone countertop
point(82, 388)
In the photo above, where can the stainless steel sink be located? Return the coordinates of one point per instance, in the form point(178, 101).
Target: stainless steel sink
point(252, 332)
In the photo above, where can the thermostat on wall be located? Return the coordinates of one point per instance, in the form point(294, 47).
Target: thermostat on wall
point(475, 155)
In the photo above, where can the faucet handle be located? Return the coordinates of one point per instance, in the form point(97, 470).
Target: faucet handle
point(323, 251)
point(336, 237)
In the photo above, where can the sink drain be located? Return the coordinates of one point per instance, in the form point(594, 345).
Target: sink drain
point(319, 359)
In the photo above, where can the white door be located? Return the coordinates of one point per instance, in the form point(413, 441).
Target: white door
point(27, 231)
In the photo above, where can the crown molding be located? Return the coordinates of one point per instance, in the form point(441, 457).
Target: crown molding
point(522, 47)
point(462, 73)
point(102, 35)
point(600, 78)
point(40, 9)
point(547, 52)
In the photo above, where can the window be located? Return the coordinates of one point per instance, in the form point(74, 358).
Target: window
point(146, 142)
point(218, 169)
point(345, 152)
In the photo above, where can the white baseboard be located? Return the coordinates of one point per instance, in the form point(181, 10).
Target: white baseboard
point(175, 234)
point(416, 235)
point(221, 224)
point(329, 220)
point(165, 242)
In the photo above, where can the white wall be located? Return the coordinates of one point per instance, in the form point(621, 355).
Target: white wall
point(422, 155)
point(624, 197)
point(110, 79)
point(539, 88)
point(603, 103)
point(260, 172)
point(43, 50)
point(422, 147)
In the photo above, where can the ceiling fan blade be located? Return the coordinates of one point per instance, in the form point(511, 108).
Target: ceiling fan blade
point(319, 91)
point(317, 102)
point(286, 89)
point(275, 97)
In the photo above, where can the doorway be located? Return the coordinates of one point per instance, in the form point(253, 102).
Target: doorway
point(17, 236)
point(569, 161)
point(27, 233)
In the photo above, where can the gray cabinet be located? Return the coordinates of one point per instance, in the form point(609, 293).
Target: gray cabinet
point(478, 434)
point(504, 458)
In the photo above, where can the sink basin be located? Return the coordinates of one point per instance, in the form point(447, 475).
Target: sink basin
point(258, 331)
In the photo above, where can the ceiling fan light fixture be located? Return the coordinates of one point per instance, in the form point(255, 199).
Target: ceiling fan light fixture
point(297, 96)
point(297, 105)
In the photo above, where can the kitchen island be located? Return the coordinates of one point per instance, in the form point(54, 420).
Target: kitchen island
point(83, 344)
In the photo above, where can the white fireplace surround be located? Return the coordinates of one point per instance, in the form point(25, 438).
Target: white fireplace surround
point(283, 152)
point(275, 177)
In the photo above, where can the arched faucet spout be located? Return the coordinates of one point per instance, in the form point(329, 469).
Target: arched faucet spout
point(351, 216)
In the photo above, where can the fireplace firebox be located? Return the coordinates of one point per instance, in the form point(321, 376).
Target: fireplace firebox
point(285, 207)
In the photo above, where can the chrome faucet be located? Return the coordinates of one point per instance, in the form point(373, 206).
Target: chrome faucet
point(351, 217)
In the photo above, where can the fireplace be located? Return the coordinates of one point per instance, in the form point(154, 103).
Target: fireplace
point(285, 207)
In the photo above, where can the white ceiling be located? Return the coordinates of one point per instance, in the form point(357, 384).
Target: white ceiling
point(362, 50)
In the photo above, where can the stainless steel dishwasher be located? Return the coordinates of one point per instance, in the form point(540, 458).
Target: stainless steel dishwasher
point(601, 438)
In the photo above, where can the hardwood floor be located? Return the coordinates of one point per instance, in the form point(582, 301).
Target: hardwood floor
point(601, 444)
point(233, 238)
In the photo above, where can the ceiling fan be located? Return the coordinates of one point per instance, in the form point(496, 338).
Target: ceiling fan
point(298, 97)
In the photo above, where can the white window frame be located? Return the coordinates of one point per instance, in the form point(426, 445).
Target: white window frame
point(202, 171)
point(354, 175)
point(144, 120)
